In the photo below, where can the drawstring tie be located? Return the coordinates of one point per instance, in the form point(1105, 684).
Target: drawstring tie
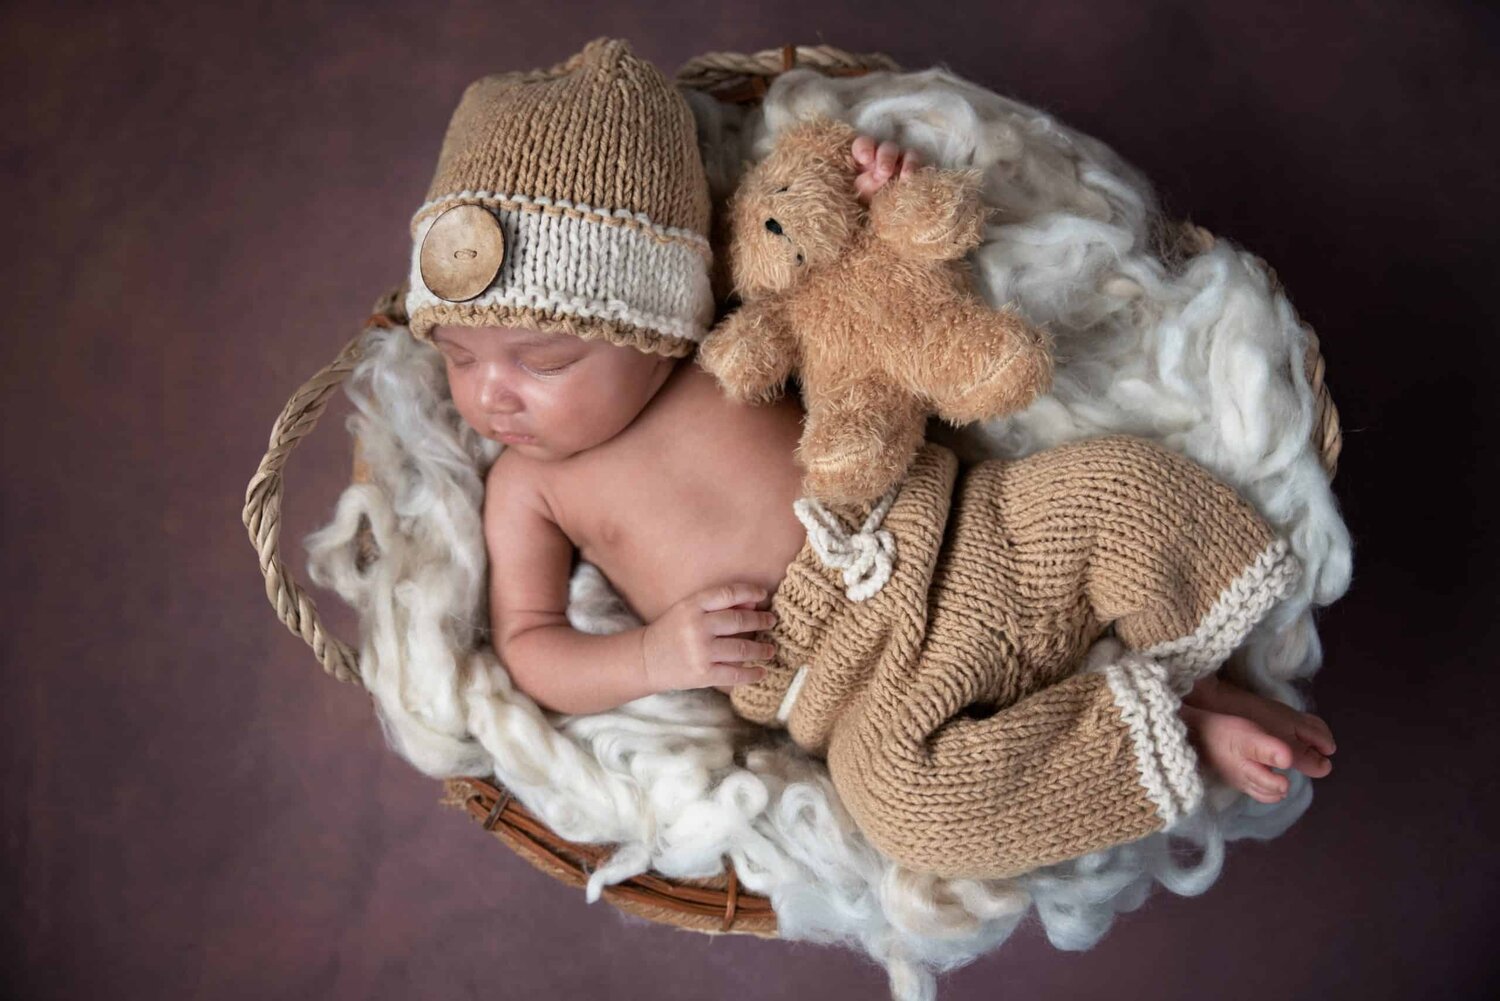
point(865, 556)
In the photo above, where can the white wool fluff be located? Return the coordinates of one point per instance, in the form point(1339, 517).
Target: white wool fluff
point(1203, 358)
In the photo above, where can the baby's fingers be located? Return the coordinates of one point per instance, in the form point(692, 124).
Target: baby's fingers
point(886, 157)
point(873, 157)
point(865, 185)
point(711, 599)
point(1311, 743)
point(729, 649)
point(739, 620)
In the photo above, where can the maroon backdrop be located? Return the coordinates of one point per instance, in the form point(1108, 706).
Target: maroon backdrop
point(203, 203)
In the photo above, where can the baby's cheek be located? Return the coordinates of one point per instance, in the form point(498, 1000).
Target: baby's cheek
point(472, 414)
point(464, 402)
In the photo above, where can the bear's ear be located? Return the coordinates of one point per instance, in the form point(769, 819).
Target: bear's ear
point(821, 137)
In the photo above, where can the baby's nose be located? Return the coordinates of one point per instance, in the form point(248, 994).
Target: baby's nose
point(496, 399)
point(504, 404)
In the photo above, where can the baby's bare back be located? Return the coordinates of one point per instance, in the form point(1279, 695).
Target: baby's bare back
point(696, 491)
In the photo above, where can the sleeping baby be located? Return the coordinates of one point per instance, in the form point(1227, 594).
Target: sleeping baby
point(561, 264)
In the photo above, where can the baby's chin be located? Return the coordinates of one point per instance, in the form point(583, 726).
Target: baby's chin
point(544, 449)
point(534, 449)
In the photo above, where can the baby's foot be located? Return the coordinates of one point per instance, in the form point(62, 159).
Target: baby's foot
point(1307, 736)
point(1240, 752)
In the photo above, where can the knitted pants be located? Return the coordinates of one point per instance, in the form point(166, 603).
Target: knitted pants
point(960, 731)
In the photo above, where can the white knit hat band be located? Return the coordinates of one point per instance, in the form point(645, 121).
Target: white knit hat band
point(565, 258)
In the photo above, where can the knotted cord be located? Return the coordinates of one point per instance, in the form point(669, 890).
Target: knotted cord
point(865, 556)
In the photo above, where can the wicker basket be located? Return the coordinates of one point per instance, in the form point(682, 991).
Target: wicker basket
point(715, 905)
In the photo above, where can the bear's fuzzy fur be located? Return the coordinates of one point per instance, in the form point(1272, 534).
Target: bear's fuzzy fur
point(872, 308)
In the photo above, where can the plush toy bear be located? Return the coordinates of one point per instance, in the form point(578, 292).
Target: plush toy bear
point(873, 308)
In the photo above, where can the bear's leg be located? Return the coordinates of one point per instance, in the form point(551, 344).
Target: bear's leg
point(858, 441)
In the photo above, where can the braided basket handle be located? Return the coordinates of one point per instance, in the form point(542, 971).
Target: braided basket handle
point(742, 78)
point(262, 513)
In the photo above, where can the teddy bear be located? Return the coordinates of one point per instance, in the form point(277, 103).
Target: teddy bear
point(872, 308)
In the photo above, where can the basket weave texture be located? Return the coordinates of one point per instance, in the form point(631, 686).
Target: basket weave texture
point(715, 905)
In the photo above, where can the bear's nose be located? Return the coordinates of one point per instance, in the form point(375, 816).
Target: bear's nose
point(773, 226)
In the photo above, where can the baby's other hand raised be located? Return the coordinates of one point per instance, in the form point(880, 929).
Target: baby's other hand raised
point(879, 163)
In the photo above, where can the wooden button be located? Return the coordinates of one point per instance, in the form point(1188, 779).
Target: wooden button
point(461, 253)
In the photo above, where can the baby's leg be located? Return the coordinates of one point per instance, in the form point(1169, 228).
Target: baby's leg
point(1092, 761)
point(1120, 531)
point(1044, 553)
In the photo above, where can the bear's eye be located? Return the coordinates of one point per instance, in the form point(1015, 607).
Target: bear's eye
point(780, 190)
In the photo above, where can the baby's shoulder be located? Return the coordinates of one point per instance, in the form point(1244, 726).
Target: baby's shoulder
point(514, 485)
point(510, 464)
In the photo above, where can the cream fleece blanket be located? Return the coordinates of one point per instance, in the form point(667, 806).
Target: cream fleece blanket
point(1203, 357)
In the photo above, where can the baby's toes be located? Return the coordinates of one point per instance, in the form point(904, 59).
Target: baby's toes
point(1313, 731)
point(1259, 792)
point(1262, 753)
point(1314, 765)
point(1308, 761)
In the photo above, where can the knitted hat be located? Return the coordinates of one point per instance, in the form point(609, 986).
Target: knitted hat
point(570, 199)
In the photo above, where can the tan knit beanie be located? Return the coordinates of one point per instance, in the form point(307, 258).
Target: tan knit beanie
point(569, 199)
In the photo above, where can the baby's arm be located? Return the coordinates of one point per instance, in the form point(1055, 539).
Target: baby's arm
point(560, 668)
point(697, 642)
point(751, 353)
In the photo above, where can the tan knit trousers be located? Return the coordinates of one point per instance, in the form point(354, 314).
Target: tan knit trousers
point(960, 728)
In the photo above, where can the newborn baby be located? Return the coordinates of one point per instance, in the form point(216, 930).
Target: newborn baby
point(683, 499)
point(562, 265)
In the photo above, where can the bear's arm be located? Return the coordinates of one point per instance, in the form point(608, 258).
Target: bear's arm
point(751, 352)
point(930, 214)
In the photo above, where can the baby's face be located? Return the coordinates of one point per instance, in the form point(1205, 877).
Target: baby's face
point(547, 395)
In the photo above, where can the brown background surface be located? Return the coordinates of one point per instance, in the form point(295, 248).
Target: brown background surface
point(202, 204)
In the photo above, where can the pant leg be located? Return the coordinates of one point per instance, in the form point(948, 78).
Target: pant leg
point(1075, 767)
point(1117, 534)
point(1043, 554)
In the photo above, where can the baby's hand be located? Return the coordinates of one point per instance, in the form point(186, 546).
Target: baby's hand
point(880, 164)
point(693, 643)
